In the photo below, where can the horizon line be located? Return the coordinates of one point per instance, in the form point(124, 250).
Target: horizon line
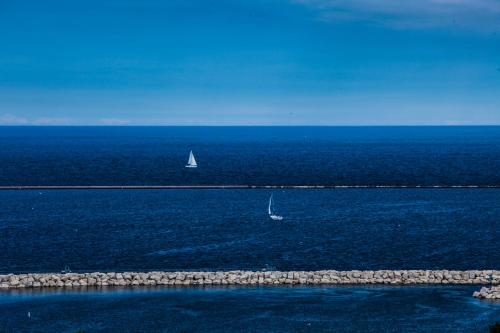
point(249, 125)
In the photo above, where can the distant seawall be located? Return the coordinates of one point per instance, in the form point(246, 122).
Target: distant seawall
point(233, 187)
point(324, 277)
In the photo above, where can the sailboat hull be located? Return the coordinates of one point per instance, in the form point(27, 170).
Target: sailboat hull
point(191, 166)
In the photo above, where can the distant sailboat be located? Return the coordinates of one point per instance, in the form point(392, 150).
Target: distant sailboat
point(272, 215)
point(191, 161)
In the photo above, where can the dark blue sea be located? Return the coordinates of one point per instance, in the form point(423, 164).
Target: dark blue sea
point(111, 230)
point(118, 230)
point(250, 155)
point(244, 309)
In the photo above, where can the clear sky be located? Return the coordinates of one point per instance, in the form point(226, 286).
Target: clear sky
point(295, 62)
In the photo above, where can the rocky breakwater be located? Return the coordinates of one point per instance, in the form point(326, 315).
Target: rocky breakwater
point(394, 277)
point(488, 293)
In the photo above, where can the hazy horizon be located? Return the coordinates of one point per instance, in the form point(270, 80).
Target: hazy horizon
point(247, 125)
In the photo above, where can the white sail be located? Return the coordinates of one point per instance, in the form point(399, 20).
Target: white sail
point(191, 161)
point(272, 215)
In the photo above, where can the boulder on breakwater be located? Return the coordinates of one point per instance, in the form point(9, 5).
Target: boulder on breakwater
point(190, 278)
point(492, 292)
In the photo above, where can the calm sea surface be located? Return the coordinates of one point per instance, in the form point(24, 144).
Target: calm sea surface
point(117, 230)
point(267, 309)
point(250, 155)
point(230, 229)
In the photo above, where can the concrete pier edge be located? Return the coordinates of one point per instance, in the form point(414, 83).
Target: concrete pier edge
point(235, 187)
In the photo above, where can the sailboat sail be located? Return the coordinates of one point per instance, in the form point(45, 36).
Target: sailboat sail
point(191, 161)
point(272, 215)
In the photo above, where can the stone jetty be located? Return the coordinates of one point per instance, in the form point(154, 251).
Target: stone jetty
point(488, 293)
point(190, 278)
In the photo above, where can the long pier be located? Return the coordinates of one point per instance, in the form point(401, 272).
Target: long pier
point(233, 187)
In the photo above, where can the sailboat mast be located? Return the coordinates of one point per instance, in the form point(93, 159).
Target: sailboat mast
point(270, 203)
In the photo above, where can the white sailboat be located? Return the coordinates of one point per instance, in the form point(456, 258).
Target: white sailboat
point(272, 215)
point(191, 161)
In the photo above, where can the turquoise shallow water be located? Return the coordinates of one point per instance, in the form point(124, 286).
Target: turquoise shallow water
point(262, 309)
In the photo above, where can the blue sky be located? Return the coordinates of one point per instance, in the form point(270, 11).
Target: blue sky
point(276, 62)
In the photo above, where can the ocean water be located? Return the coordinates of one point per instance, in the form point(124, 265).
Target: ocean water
point(250, 155)
point(119, 230)
point(265, 309)
point(110, 230)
